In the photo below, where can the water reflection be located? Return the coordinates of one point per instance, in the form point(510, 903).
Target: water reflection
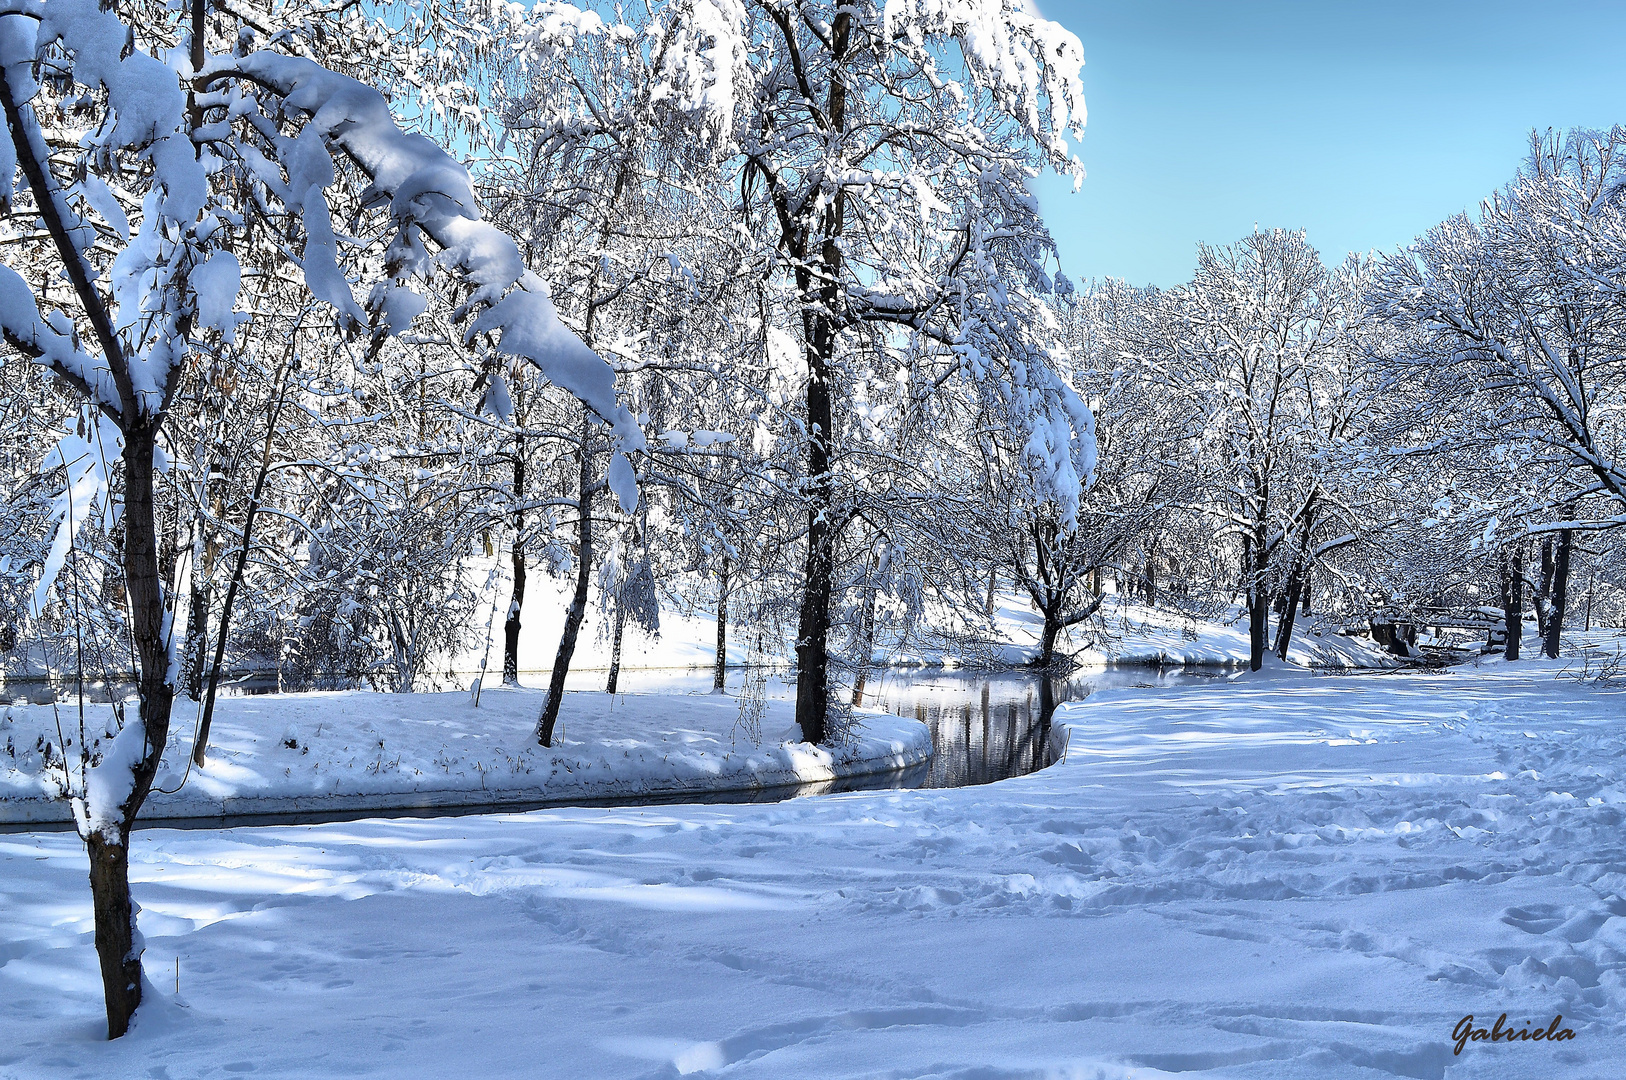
point(988, 727)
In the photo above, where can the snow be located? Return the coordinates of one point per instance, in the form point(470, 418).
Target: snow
point(110, 778)
point(89, 454)
point(426, 189)
point(1274, 876)
point(358, 750)
point(1140, 634)
point(216, 283)
point(1126, 634)
point(705, 55)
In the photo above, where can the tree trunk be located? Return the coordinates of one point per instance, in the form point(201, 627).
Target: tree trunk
point(516, 601)
point(1541, 599)
point(821, 293)
point(1513, 600)
point(615, 648)
point(195, 652)
point(1560, 593)
point(144, 588)
point(719, 668)
point(205, 553)
point(115, 930)
point(200, 746)
point(866, 635)
point(109, 855)
point(1296, 583)
point(1258, 627)
point(1284, 628)
point(813, 625)
point(993, 580)
point(1047, 640)
point(578, 601)
point(1590, 580)
point(1258, 603)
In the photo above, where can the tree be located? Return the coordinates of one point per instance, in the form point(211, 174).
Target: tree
point(1520, 318)
point(238, 153)
point(1238, 345)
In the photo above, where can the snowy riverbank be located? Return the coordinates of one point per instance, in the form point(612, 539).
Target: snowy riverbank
point(356, 750)
point(1277, 875)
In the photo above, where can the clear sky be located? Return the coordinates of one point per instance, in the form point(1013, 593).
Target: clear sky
point(1362, 123)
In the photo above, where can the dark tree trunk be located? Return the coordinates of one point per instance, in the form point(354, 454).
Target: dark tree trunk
point(115, 930)
point(200, 746)
point(516, 601)
point(821, 293)
point(719, 669)
point(1258, 627)
point(578, 601)
point(1513, 600)
point(813, 624)
point(1560, 594)
point(1047, 639)
point(1258, 597)
point(1541, 599)
point(1295, 586)
point(195, 652)
point(1284, 628)
point(109, 855)
point(205, 553)
point(615, 649)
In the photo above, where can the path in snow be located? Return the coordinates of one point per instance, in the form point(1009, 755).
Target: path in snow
point(1289, 877)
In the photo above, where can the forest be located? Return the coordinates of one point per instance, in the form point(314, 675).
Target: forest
point(342, 336)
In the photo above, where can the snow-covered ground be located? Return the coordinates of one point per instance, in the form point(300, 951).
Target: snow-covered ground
point(356, 750)
point(1276, 876)
point(1127, 633)
point(1124, 633)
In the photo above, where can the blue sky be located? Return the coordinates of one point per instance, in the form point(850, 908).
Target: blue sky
point(1362, 123)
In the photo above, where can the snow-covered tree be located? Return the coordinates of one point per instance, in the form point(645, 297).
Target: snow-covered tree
point(1520, 319)
point(227, 154)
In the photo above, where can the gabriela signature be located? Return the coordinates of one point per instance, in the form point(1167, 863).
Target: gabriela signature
point(1466, 1032)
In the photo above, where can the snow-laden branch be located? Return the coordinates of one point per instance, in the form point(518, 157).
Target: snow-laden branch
point(427, 192)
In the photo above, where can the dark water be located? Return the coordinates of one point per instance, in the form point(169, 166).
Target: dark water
point(991, 726)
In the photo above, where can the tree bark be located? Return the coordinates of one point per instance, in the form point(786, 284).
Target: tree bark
point(1560, 594)
point(1541, 598)
point(1047, 639)
point(115, 930)
point(1284, 628)
point(516, 601)
point(1295, 586)
point(1513, 600)
point(719, 669)
point(195, 651)
point(1254, 557)
point(578, 601)
point(820, 295)
point(109, 855)
point(615, 649)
